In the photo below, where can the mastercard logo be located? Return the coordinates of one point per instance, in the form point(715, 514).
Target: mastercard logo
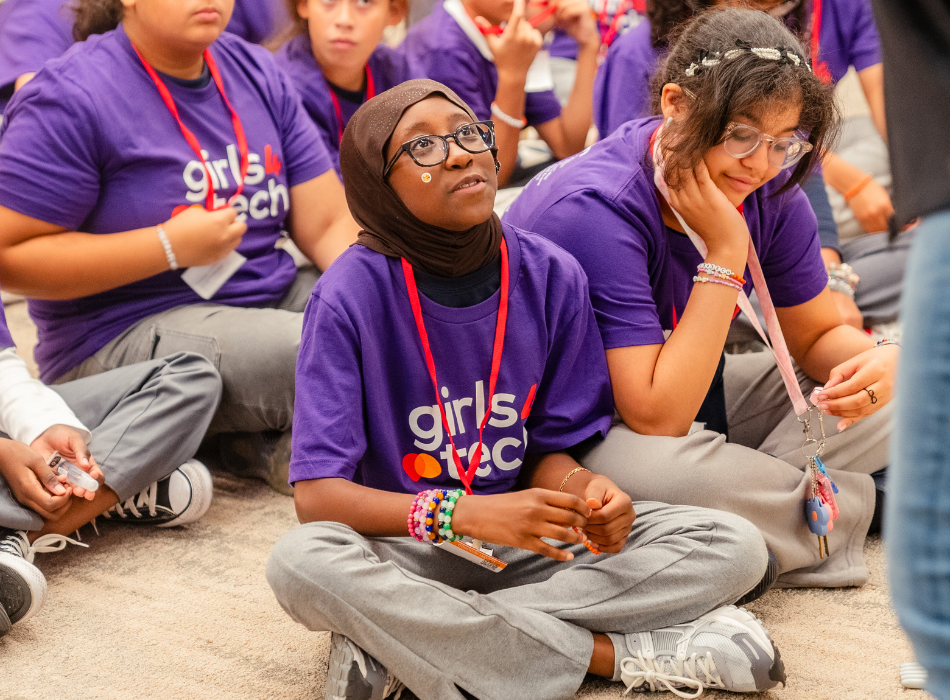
point(421, 466)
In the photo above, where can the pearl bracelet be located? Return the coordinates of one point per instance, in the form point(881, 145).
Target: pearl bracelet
point(166, 244)
point(508, 119)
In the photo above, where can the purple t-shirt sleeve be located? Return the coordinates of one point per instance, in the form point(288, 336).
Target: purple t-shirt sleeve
point(575, 388)
point(329, 434)
point(306, 154)
point(541, 107)
point(865, 44)
point(616, 263)
point(31, 33)
point(793, 266)
point(49, 152)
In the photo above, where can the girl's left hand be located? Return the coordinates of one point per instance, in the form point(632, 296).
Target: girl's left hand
point(574, 18)
point(861, 386)
point(612, 518)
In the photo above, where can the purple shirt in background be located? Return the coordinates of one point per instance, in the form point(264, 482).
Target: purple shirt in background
point(443, 52)
point(365, 407)
point(89, 145)
point(389, 67)
point(622, 85)
point(601, 206)
point(31, 33)
point(6, 340)
point(258, 20)
point(848, 36)
point(34, 31)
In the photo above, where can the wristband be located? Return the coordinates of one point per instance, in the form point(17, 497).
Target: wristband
point(854, 191)
point(507, 119)
point(166, 244)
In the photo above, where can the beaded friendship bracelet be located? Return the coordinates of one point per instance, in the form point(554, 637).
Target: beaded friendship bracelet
point(725, 283)
point(430, 516)
point(887, 341)
point(720, 272)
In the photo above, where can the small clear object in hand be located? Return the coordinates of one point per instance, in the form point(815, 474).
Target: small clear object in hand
point(74, 475)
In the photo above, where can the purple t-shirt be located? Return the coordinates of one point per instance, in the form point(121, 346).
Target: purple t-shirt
point(6, 340)
point(31, 33)
point(365, 408)
point(443, 52)
point(601, 205)
point(257, 20)
point(388, 67)
point(848, 36)
point(89, 145)
point(622, 85)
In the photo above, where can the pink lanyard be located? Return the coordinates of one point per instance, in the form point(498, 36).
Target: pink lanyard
point(190, 137)
point(777, 345)
point(475, 457)
point(819, 66)
point(370, 94)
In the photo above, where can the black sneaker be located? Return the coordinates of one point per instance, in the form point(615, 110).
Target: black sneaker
point(355, 675)
point(22, 585)
point(763, 586)
point(180, 498)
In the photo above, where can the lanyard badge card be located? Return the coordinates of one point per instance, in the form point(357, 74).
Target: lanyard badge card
point(820, 506)
point(206, 280)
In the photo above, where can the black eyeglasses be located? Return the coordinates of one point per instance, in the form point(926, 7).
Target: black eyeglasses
point(431, 150)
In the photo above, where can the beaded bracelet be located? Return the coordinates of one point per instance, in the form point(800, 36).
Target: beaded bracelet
point(721, 272)
point(724, 283)
point(839, 285)
point(887, 341)
point(445, 515)
point(845, 273)
point(416, 516)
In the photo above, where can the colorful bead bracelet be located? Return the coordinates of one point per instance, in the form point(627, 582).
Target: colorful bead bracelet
point(724, 283)
point(720, 272)
point(430, 516)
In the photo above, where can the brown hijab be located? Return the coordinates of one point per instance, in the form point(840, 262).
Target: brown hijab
point(388, 226)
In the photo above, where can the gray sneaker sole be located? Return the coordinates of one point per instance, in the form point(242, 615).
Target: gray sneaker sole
point(22, 588)
point(344, 680)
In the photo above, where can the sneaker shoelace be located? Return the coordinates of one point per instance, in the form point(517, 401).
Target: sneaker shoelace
point(19, 545)
point(144, 499)
point(642, 669)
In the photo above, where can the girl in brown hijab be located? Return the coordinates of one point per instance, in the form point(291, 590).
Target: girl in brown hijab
point(447, 364)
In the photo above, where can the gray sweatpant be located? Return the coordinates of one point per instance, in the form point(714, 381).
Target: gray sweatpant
point(760, 474)
point(255, 350)
point(146, 420)
point(440, 623)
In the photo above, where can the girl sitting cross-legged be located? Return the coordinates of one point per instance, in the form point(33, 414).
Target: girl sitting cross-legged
point(453, 357)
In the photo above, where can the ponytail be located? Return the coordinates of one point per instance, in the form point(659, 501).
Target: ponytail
point(96, 17)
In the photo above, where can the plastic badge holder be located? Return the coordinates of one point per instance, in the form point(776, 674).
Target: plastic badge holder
point(74, 475)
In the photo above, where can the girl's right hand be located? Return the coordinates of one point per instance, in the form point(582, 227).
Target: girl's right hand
point(514, 50)
point(521, 518)
point(711, 215)
point(201, 237)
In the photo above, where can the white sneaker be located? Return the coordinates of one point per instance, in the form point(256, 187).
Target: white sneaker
point(727, 649)
point(22, 585)
point(180, 498)
point(355, 675)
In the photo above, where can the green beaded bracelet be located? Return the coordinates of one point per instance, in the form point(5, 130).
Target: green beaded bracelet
point(445, 515)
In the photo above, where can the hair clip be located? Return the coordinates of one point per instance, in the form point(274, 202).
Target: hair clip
point(779, 54)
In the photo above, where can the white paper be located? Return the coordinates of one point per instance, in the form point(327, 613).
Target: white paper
point(206, 280)
point(540, 78)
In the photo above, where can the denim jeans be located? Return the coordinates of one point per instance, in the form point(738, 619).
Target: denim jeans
point(917, 517)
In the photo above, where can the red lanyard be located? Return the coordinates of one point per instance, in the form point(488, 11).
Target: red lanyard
point(190, 137)
point(549, 6)
point(819, 66)
point(370, 94)
point(474, 459)
point(607, 37)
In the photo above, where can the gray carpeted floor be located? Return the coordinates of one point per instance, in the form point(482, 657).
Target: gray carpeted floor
point(186, 613)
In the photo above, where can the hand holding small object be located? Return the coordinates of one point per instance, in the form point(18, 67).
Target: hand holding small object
point(847, 393)
point(67, 442)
